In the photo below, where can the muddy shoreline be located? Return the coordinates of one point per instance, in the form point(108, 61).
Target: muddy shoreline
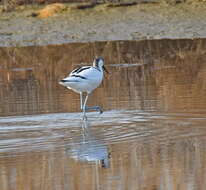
point(103, 23)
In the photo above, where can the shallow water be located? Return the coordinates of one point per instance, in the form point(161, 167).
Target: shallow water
point(152, 132)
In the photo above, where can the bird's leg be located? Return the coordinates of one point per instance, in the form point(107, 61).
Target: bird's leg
point(81, 101)
point(87, 108)
point(84, 106)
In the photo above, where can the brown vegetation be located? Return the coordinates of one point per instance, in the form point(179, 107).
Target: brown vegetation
point(50, 10)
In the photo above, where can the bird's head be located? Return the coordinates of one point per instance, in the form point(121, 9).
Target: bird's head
point(99, 63)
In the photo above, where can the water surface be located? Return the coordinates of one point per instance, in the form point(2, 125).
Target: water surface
point(152, 132)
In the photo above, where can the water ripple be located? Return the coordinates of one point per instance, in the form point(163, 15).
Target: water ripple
point(54, 131)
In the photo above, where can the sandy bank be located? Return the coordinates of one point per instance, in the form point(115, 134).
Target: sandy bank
point(102, 23)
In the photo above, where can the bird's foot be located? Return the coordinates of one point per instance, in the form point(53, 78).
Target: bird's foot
point(97, 108)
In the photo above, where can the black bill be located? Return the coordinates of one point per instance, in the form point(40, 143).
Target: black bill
point(105, 69)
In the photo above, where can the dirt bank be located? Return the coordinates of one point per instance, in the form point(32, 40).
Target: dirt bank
point(103, 22)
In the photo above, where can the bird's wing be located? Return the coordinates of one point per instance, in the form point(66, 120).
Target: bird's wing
point(79, 70)
point(77, 75)
point(85, 73)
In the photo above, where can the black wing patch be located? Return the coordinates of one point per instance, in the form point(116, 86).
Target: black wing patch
point(63, 80)
point(80, 69)
point(78, 76)
point(75, 70)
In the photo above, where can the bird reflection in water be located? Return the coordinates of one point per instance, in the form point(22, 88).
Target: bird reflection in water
point(89, 149)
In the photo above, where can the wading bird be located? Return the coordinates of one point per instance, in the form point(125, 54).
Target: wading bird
point(86, 79)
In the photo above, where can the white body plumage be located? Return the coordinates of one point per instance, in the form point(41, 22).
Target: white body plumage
point(86, 79)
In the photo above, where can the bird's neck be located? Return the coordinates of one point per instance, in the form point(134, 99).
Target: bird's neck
point(97, 67)
point(100, 68)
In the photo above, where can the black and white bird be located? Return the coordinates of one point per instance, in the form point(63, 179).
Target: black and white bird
point(86, 79)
